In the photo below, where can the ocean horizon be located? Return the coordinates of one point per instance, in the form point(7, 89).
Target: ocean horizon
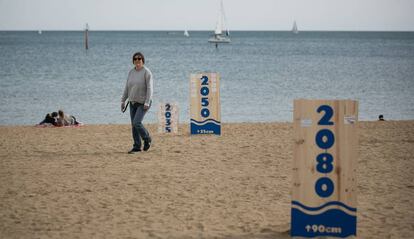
point(262, 72)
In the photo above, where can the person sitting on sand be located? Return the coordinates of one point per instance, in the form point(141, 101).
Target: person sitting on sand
point(66, 119)
point(50, 118)
point(381, 118)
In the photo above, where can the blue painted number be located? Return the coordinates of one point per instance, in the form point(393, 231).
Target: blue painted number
point(325, 139)
point(204, 91)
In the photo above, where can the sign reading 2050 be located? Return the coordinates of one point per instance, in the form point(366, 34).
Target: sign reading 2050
point(205, 103)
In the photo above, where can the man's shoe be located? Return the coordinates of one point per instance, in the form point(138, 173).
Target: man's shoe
point(133, 151)
point(147, 144)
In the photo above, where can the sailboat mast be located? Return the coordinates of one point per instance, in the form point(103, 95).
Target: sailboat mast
point(223, 19)
point(219, 24)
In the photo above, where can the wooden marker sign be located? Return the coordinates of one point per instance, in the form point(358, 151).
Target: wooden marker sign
point(205, 103)
point(168, 118)
point(324, 177)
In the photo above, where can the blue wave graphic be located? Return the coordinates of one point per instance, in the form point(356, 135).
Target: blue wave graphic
point(333, 222)
point(324, 205)
point(206, 127)
point(207, 120)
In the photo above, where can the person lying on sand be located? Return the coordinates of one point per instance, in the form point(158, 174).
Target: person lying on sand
point(66, 119)
point(50, 118)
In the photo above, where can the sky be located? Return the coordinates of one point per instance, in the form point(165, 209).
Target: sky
point(324, 15)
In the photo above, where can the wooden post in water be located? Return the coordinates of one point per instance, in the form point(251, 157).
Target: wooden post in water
point(86, 36)
point(324, 168)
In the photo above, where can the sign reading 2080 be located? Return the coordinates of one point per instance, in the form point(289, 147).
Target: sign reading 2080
point(325, 153)
point(205, 103)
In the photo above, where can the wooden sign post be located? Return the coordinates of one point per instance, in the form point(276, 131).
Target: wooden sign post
point(205, 103)
point(324, 177)
point(168, 118)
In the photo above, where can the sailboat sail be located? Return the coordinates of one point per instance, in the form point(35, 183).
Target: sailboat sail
point(295, 28)
point(186, 33)
point(219, 37)
point(218, 27)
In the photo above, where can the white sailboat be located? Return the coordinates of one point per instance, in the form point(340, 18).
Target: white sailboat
point(221, 33)
point(186, 34)
point(295, 28)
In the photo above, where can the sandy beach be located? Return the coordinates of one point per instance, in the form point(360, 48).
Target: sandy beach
point(81, 183)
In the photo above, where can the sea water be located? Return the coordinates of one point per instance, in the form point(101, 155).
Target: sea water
point(261, 73)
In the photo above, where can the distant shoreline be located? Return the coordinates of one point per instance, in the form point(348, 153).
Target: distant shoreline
point(189, 30)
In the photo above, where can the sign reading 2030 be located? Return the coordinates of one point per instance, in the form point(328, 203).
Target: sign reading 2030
point(205, 103)
point(324, 180)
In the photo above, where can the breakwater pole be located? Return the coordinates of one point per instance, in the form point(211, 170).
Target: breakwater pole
point(86, 36)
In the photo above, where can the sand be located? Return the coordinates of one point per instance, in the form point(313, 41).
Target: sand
point(81, 183)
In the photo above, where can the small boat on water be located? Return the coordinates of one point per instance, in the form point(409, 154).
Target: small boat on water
point(221, 33)
point(186, 34)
